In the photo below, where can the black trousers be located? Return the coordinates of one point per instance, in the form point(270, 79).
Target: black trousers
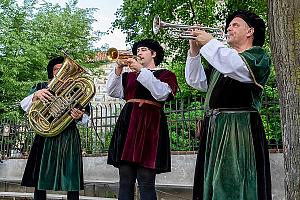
point(41, 195)
point(129, 173)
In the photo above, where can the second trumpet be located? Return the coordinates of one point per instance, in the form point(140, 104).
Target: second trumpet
point(183, 30)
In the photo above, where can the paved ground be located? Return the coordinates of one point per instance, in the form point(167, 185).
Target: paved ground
point(19, 195)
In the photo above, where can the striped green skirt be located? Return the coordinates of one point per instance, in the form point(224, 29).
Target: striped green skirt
point(227, 165)
point(61, 163)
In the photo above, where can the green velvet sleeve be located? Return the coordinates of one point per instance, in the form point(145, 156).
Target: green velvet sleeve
point(37, 87)
point(258, 63)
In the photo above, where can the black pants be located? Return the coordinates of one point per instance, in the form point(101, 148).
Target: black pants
point(146, 182)
point(41, 195)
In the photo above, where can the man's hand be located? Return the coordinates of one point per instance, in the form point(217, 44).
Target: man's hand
point(203, 37)
point(76, 113)
point(194, 48)
point(119, 68)
point(44, 95)
point(134, 65)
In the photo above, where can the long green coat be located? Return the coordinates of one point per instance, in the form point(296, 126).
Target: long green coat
point(55, 163)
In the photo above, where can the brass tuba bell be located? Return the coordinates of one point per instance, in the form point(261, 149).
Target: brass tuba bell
point(70, 89)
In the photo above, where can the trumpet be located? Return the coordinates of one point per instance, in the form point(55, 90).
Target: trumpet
point(183, 29)
point(114, 55)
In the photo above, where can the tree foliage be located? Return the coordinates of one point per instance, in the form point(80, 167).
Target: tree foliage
point(135, 19)
point(30, 35)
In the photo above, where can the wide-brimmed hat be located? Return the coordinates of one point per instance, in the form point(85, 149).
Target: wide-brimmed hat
point(253, 21)
point(153, 45)
point(52, 63)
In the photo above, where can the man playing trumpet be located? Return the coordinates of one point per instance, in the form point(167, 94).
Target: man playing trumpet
point(233, 159)
point(140, 145)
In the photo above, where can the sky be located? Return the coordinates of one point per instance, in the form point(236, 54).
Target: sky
point(104, 16)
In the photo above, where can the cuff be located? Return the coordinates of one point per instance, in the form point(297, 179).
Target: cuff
point(197, 57)
point(114, 75)
point(210, 47)
point(144, 74)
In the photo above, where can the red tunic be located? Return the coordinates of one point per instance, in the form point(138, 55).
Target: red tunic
point(141, 134)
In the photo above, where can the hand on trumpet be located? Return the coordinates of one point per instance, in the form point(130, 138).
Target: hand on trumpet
point(120, 64)
point(134, 65)
point(202, 38)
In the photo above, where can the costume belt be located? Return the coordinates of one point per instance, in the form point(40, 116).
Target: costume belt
point(216, 111)
point(142, 101)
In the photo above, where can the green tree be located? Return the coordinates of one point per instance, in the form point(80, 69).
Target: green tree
point(30, 35)
point(257, 6)
point(284, 27)
point(135, 19)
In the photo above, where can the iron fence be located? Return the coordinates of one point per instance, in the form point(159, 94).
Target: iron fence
point(16, 138)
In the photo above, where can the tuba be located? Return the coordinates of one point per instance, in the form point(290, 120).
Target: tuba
point(70, 89)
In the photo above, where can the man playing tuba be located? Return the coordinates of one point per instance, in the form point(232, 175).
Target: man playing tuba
point(54, 163)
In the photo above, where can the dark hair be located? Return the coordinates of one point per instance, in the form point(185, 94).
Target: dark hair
point(52, 63)
point(253, 21)
point(154, 46)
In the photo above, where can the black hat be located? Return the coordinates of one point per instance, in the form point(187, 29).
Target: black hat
point(52, 63)
point(153, 45)
point(253, 21)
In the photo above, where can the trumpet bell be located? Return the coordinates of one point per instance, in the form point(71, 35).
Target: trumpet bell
point(112, 54)
point(156, 24)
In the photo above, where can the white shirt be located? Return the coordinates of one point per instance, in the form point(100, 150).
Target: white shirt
point(27, 102)
point(226, 60)
point(158, 89)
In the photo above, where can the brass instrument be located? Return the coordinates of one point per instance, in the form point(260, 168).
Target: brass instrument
point(70, 89)
point(113, 55)
point(183, 29)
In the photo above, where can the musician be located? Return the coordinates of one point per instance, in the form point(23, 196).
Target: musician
point(54, 163)
point(233, 159)
point(140, 145)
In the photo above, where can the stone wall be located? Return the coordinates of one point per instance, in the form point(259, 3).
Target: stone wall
point(102, 179)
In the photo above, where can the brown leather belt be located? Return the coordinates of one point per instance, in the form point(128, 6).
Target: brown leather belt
point(142, 101)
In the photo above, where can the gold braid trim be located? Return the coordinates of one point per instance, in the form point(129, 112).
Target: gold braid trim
point(251, 73)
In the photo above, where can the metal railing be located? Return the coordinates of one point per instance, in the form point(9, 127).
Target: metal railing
point(16, 138)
